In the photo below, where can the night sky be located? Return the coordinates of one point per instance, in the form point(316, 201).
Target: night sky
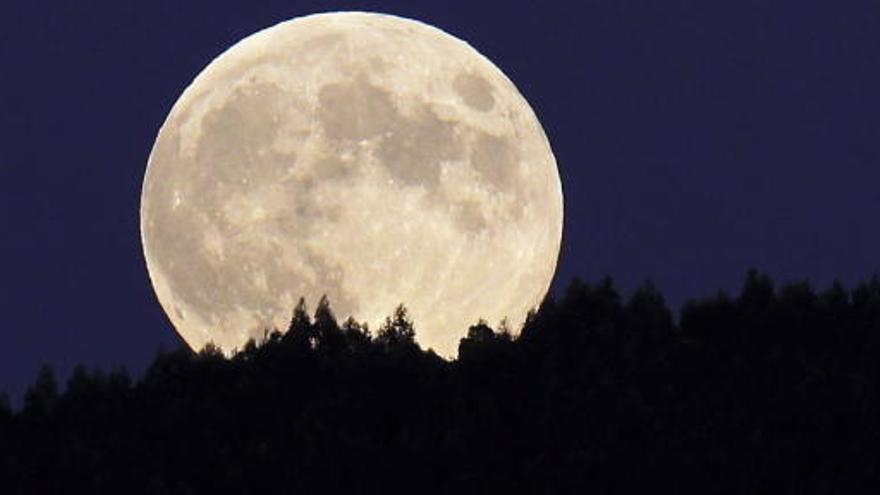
point(694, 140)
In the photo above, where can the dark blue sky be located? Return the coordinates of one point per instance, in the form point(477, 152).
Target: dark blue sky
point(695, 139)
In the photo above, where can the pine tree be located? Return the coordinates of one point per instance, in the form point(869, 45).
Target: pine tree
point(330, 337)
point(397, 332)
point(301, 331)
point(40, 399)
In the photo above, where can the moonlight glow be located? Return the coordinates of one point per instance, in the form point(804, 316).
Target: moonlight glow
point(371, 158)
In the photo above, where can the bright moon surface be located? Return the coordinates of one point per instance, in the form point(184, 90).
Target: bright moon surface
point(371, 158)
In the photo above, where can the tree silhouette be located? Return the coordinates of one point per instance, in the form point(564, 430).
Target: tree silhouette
point(757, 293)
point(774, 390)
point(301, 332)
point(329, 336)
point(648, 314)
point(357, 335)
point(40, 399)
point(397, 333)
point(482, 343)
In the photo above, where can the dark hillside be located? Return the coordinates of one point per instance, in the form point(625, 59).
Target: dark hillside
point(773, 390)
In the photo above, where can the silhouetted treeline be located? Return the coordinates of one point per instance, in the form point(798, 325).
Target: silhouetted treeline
point(769, 391)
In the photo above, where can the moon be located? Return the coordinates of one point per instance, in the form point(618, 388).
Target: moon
point(368, 157)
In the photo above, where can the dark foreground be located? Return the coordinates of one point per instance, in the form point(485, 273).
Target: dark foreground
point(772, 391)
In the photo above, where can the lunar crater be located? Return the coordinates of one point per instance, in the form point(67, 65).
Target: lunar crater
point(415, 147)
point(354, 110)
point(475, 91)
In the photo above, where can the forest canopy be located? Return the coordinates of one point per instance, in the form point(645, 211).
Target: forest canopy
point(772, 389)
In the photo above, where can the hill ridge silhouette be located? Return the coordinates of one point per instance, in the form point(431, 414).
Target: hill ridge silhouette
point(774, 389)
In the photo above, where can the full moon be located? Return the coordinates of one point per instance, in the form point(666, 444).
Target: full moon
point(371, 158)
